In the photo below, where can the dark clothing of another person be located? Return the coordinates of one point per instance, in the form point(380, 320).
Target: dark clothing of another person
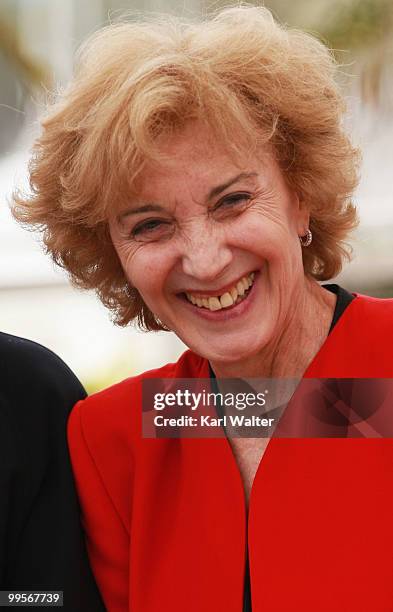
point(41, 541)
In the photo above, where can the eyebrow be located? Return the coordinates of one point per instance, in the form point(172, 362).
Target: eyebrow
point(141, 209)
point(212, 193)
point(220, 188)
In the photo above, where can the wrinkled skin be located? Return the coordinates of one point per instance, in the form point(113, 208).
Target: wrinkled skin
point(197, 240)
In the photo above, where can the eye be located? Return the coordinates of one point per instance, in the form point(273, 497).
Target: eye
point(234, 202)
point(151, 229)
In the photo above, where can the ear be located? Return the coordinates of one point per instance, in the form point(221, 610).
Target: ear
point(302, 216)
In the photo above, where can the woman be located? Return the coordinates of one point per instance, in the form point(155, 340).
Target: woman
point(198, 177)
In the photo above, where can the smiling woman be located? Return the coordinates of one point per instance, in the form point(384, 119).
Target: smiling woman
point(197, 176)
point(217, 234)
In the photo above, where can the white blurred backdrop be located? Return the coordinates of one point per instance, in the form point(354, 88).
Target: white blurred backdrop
point(36, 300)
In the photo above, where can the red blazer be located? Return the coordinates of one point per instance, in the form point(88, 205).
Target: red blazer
point(166, 518)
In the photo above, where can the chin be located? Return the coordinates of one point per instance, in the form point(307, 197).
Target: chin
point(229, 350)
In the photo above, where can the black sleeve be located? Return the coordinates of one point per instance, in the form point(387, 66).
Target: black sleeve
point(41, 541)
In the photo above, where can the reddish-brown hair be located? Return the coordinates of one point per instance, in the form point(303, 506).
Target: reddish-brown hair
point(135, 82)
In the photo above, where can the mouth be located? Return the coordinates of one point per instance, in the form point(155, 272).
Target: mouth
point(232, 296)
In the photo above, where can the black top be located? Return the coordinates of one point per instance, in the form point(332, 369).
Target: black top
point(41, 540)
point(343, 300)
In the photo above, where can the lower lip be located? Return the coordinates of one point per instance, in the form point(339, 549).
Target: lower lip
point(226, 314)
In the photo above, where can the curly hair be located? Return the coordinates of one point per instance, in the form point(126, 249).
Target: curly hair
point(138, 82)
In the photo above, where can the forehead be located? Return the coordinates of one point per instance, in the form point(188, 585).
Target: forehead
point(196, 140)
point(194, 159)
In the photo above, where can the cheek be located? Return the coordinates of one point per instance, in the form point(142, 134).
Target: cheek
point(264, 237)
point(148, 268)
point(275, 245)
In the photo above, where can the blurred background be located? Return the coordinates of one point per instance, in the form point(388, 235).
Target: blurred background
point(37, 42)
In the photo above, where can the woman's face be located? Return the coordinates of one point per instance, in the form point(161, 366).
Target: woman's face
point(212, 246)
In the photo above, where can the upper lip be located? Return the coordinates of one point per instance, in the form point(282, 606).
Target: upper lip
point(213, 292)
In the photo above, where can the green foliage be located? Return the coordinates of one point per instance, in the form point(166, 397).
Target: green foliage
point(116, 369)
point(31, 72)
point(358, 24)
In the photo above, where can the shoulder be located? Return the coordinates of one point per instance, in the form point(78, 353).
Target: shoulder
point(374, 303)
point(360, 346)
point(105, 430)
point(33, 377)
point(189, 365)
point(117, 410)
point(377, 312)
point(30, 359)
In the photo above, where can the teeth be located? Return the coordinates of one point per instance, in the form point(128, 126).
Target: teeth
point(227, 299)
point(240, 288)
point(214, 303)
point(234, 293)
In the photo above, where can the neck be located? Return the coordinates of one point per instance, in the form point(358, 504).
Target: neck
point(293, 348)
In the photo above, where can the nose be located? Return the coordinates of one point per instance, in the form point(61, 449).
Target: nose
point(206, 255)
